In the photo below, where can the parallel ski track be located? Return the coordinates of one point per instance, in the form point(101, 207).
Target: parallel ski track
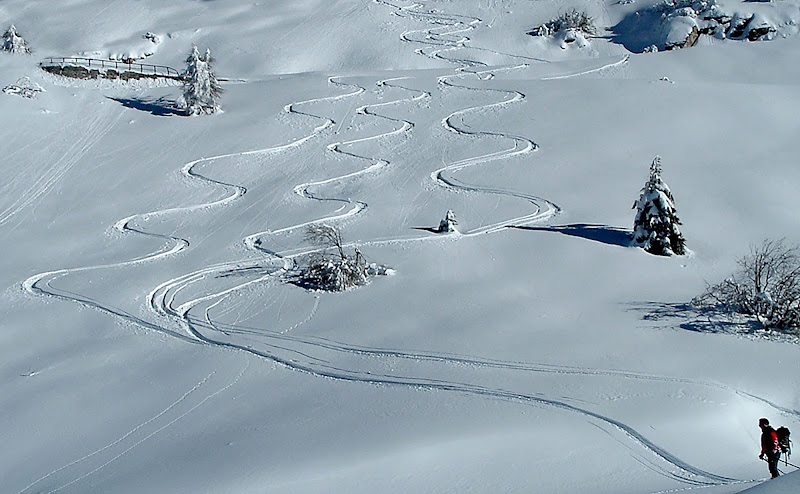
point(305, 189)
point(300, 350)
point(447, 37)
point(160, 299)
point(130, 440)
point(303, 354)
point(42, 283)
point(46, 181)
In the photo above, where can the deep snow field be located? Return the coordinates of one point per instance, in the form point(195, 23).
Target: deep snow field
point(149, 342)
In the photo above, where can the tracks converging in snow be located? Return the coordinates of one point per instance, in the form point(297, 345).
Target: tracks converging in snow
point(189, 306)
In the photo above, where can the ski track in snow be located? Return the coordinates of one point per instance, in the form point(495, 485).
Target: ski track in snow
point(316, 356)
point(140, 429)
point(42, 283)
point(45, 182)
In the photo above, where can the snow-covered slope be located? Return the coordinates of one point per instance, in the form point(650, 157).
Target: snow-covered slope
point(150, 343)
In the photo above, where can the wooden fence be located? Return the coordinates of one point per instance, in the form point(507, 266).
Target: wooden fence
point(117, 65)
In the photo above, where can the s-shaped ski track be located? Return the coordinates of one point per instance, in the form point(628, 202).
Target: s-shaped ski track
point(42, 283)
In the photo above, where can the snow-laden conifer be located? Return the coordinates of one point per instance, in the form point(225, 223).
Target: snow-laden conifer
point(201, 90)
point(13, 42)
point(655, 227)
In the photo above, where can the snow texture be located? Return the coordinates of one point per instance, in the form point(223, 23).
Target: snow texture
point(150, 342)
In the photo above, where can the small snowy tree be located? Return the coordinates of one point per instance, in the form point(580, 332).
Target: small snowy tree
point(13, 42)
point(201, 90)
point(448, 224)
point(655, 227)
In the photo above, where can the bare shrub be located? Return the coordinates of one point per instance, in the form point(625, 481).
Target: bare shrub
point(766, 287)
point(331, 269)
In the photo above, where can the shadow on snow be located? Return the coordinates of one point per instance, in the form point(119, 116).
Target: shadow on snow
point(638, 30)
point(160, 107)
point(712, 320)
point(599, 233)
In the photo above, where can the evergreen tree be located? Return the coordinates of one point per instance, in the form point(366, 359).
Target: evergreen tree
point(201, 90)
point(655, 227)
point(13, 42)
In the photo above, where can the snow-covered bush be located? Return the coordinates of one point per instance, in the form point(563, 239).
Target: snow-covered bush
point(201, 90)
point(331, 269)
point(24, 87)
point(573, 20)
point(448, 224)
point(766, 287)
point(655, 227)
point(13, 42)
point(569, 29)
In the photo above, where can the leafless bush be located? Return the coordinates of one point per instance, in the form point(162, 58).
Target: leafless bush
point(573, 19)
point(766, 287)
point(331, 269)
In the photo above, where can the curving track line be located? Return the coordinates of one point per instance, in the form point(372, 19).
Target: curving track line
point(314, 355)
point(42, 284)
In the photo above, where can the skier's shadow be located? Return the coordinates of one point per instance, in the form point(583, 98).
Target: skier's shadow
point(160, 107)
point(599, 233)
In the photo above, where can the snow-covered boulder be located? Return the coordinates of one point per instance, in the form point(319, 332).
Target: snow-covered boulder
point(681, 31)
point(758, 27)
point(676, 24)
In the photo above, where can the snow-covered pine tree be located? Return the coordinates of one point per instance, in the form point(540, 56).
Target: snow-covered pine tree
point(201, 90)
point(655, 227)
point(13, 42)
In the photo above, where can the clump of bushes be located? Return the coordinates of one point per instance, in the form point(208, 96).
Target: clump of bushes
point(331, 269)
point(574, 20)
point(766, 287)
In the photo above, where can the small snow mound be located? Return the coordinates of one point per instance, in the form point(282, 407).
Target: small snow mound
point(374, 269)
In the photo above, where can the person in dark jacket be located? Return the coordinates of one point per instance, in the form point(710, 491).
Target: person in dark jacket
point(769, 446)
